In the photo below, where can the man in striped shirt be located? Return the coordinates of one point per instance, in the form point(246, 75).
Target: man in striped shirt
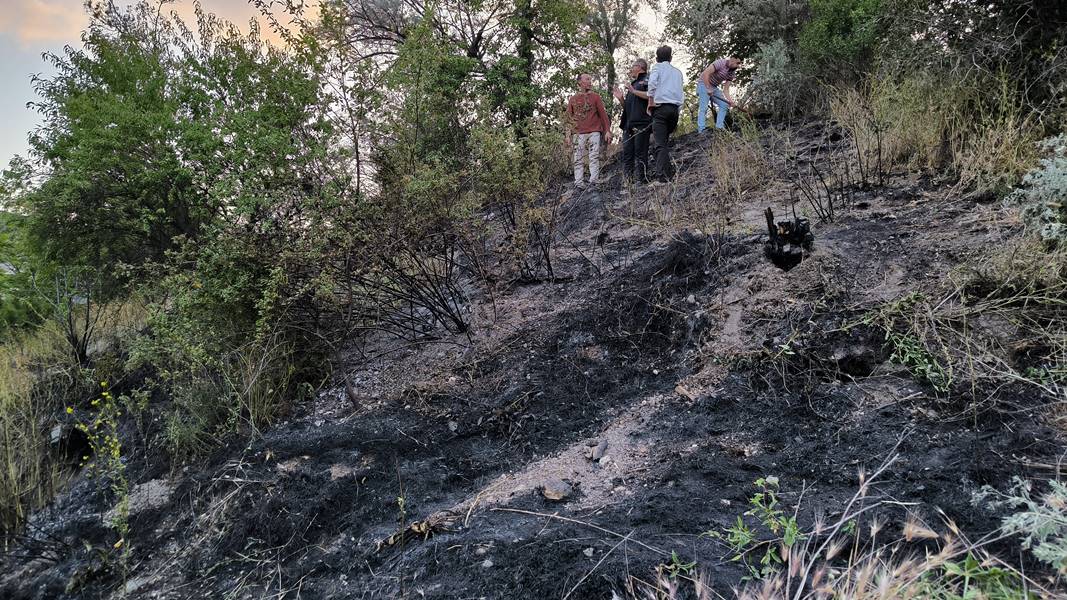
point(715, 83)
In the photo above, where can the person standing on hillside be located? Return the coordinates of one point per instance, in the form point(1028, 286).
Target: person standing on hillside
point(587, 118)
point(665, 98)
point(714, 84)
point(636, 124)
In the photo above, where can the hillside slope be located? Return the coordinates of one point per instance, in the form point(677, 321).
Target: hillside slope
point(687, 364)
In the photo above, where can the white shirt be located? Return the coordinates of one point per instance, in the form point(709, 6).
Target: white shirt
point(665, 84)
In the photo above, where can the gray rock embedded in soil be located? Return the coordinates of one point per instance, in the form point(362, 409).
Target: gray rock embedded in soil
point(556, 490)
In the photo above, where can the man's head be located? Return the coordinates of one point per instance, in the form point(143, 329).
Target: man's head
point(733, 62)
point(640, 66)
point(585, 82)
point(663, 54)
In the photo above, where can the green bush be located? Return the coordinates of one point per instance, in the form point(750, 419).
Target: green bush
point(1041, 522)
point(778, 85)
point(1044, 194)
point(838, 42)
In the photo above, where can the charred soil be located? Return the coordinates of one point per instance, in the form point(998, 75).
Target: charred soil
point(653, 382)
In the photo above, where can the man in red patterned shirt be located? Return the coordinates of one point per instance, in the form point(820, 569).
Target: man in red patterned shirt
point(587, 118)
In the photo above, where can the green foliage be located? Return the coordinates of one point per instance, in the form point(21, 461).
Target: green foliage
point(778, 85)
point(712, 29)
point(1044, 194)
point(910, 352)
point(107, 462)
point(677, 567)
point(971, 578)
point(897, 319)
point(1041, 522)
point(839, 40)
point(778, 530)
point(20, 306)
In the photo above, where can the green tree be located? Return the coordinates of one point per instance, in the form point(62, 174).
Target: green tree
point(839, 41)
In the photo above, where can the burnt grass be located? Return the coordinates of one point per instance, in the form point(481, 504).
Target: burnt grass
point(803, 395)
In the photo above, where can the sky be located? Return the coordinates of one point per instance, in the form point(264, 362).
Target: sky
point(29, 28)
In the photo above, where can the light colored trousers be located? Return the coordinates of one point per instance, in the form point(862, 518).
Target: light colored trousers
point(592, 141)
point(716, 96)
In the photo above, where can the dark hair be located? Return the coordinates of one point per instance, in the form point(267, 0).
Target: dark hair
point(643, 63)
point(663, 54)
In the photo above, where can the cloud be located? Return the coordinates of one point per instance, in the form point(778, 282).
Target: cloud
point(35, 23)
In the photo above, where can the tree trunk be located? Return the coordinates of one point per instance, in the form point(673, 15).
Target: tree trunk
point(524, 16)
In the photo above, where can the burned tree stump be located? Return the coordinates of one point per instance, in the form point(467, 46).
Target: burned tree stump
point(787, 241)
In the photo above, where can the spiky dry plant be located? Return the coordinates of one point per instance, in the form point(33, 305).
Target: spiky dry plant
point(834, 562)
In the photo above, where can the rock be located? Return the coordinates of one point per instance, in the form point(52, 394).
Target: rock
point(339, 471)
point(487, 564)
point(453, 426)
point(556, 490)
point(684, 393)
point(604, 460)
point(598, 451)
point(146, 496)
point(588, 552)
point(57, 434)
point(481, 551)
point(137, 583)
point(691, 299)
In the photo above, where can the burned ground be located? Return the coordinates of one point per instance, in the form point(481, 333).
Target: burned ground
point(703, 368)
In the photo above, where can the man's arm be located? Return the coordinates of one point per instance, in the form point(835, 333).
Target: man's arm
point(726, 93)
point(638, 93)
point(653, 83)
point(705, 76)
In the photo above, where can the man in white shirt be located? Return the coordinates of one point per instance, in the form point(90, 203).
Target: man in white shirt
point(665, 99)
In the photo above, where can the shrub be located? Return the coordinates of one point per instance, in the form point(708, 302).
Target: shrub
point(778, 85)
point(838, 42)
point(1041, 522)
point(1044, 195)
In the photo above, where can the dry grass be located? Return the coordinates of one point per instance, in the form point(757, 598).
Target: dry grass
point(842, 561)
point(28, 476)
point(1000, 321)
point(979, 130)
point(38, 378)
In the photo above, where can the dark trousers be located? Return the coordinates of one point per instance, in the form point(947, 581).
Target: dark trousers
point(664, 122)
point(635, 150)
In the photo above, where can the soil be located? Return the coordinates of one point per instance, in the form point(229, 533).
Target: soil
point(688, 362)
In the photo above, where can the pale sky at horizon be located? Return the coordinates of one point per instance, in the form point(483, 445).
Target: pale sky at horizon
point(29, 28)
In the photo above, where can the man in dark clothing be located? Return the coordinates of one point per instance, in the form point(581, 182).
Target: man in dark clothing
point(665, 98)
point(636, 124)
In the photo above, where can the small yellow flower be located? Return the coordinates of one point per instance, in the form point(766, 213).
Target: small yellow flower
point(70, 411)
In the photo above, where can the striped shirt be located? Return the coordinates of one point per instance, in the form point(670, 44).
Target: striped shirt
point(721, 72)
